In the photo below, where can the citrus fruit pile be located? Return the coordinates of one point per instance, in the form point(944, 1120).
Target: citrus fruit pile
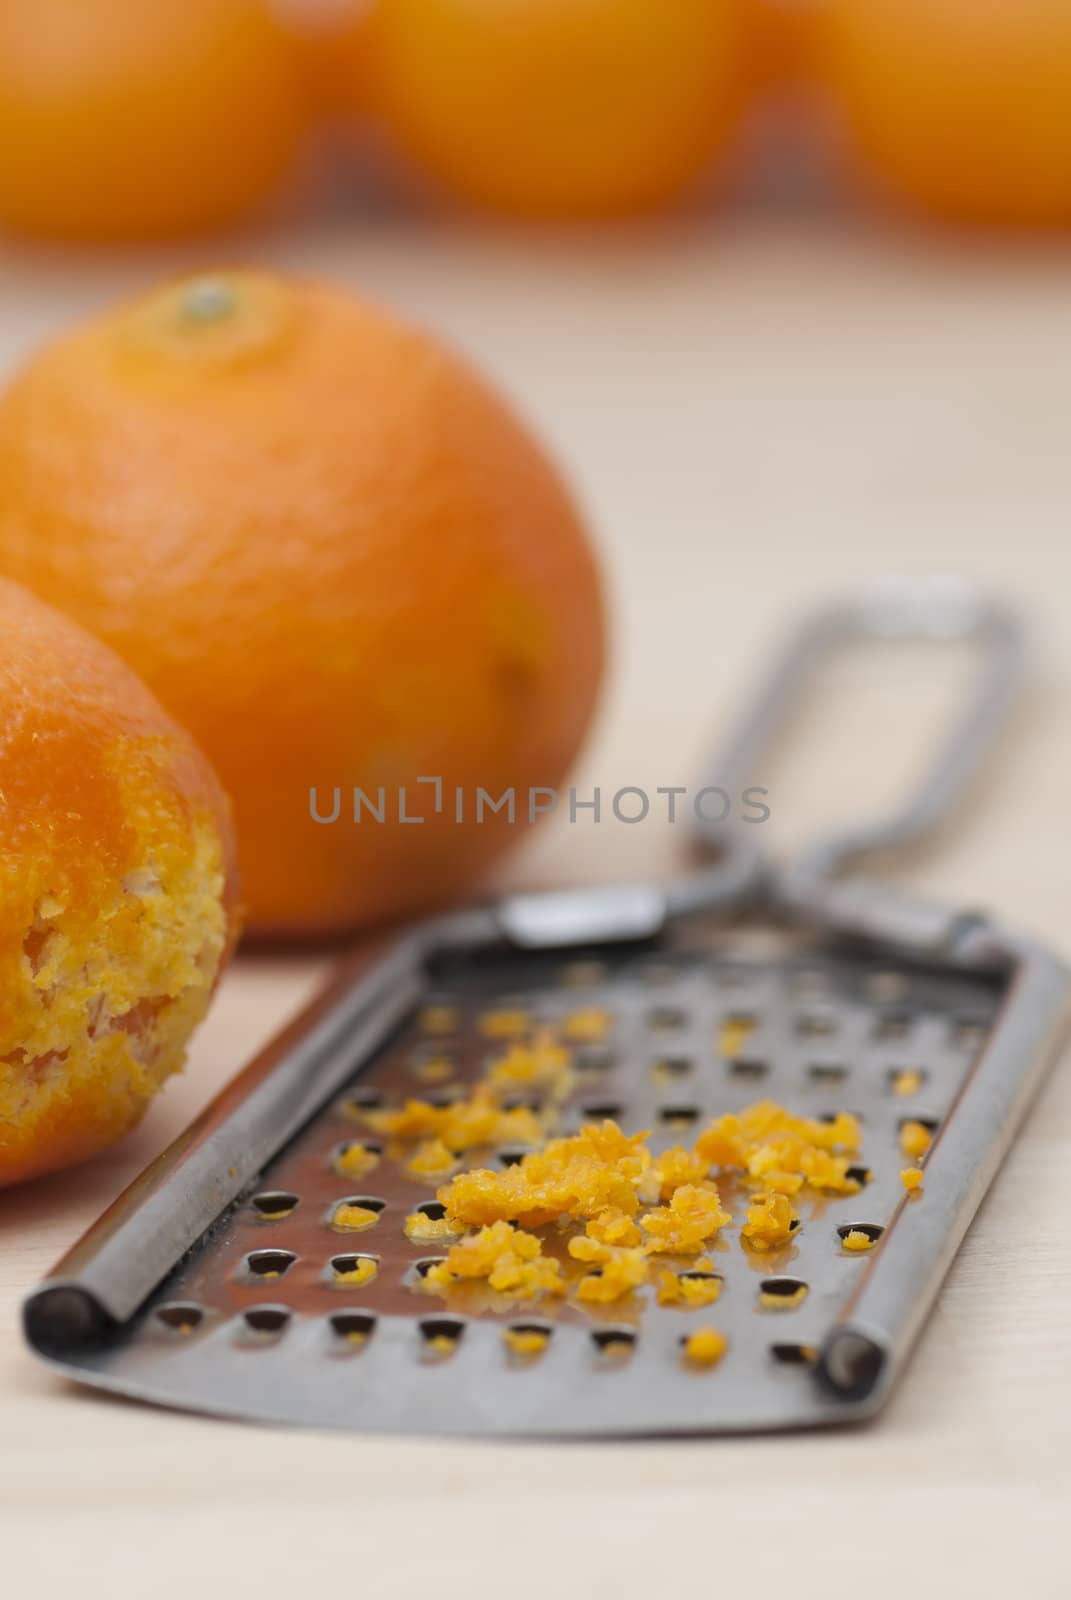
point(120, 119)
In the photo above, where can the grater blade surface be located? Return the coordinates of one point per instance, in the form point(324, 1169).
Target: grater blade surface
point(253, 1322)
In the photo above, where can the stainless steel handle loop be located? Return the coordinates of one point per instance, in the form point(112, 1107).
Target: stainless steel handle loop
point(934, 609)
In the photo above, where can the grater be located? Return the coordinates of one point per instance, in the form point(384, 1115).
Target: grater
point(218, 1283)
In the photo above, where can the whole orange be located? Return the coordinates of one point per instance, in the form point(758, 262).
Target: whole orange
point(331, 40)
point(336, 556)
point(559, 108)
point(117, 891)
point(138, 118)
point(959, 107)
point(781, 37)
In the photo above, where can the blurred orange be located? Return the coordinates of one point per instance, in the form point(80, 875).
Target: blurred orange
point(138, 118)
point(960, 107)
point(560, 108)
point(336, 556)
point(331, 40)
point(116, 891)
point(781, 35)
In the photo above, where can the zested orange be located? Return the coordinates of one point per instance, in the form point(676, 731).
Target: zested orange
point(338, 558)
point(117, 891)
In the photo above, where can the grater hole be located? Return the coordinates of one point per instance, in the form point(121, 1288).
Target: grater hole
point(268, 1263)
point(513, 1155)
point(614, 1344)
point(794, 1355)
point(523, 1102)
point(666, 1019)
point(816, 1025)
point(372, 1146)
point(599, 1110)
point(438, 1068)
point(353, 1270)
point(590, 1025)
point(886, 987)
point(731, 977)
point(180, 1316)
point(355, 1158)
point(811, 983)
point(654, 973)
point(356, 1211)
point(510, 1019)
point(423, 1053)
point(583, 974)
point(672, 1066)
point(893, 1027)
point(827, 1071)
point(859, 1175)
point(700, 1275)
point(678, 1116)
point(272, 1205)
point(749, 1068)
point(782, 1294)
point(358, 1101)
point(441, 1336)
point(592, 1058)
point(905, 1081)
point(931, 1124)
point(527, 1341)
point(437, 1018)
point(734, 1031)
point(851, 1235)
point(267, 1320)
point(434, 1210)
point(353, 1326)
point(443, 1099)
point(424, 1266)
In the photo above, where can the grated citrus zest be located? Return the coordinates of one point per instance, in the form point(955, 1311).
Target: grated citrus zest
point(705, 1347)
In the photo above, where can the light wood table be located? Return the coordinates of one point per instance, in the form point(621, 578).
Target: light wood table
point(756, 414)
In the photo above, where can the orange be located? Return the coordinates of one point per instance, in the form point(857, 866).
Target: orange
point(138, 118)
point(331, 40)
point(116, 891)
point(559, 108)
point(781, 39)
point(959, 107)
point(337, 557)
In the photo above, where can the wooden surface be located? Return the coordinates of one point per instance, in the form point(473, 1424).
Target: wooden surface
point(755, 415)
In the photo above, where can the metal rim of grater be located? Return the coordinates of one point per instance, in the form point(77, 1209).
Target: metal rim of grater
point(209, 1284)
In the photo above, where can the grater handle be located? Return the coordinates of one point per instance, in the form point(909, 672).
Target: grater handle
point(934, 610)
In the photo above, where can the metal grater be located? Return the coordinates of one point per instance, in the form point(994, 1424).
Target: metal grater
point(212, 1283)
